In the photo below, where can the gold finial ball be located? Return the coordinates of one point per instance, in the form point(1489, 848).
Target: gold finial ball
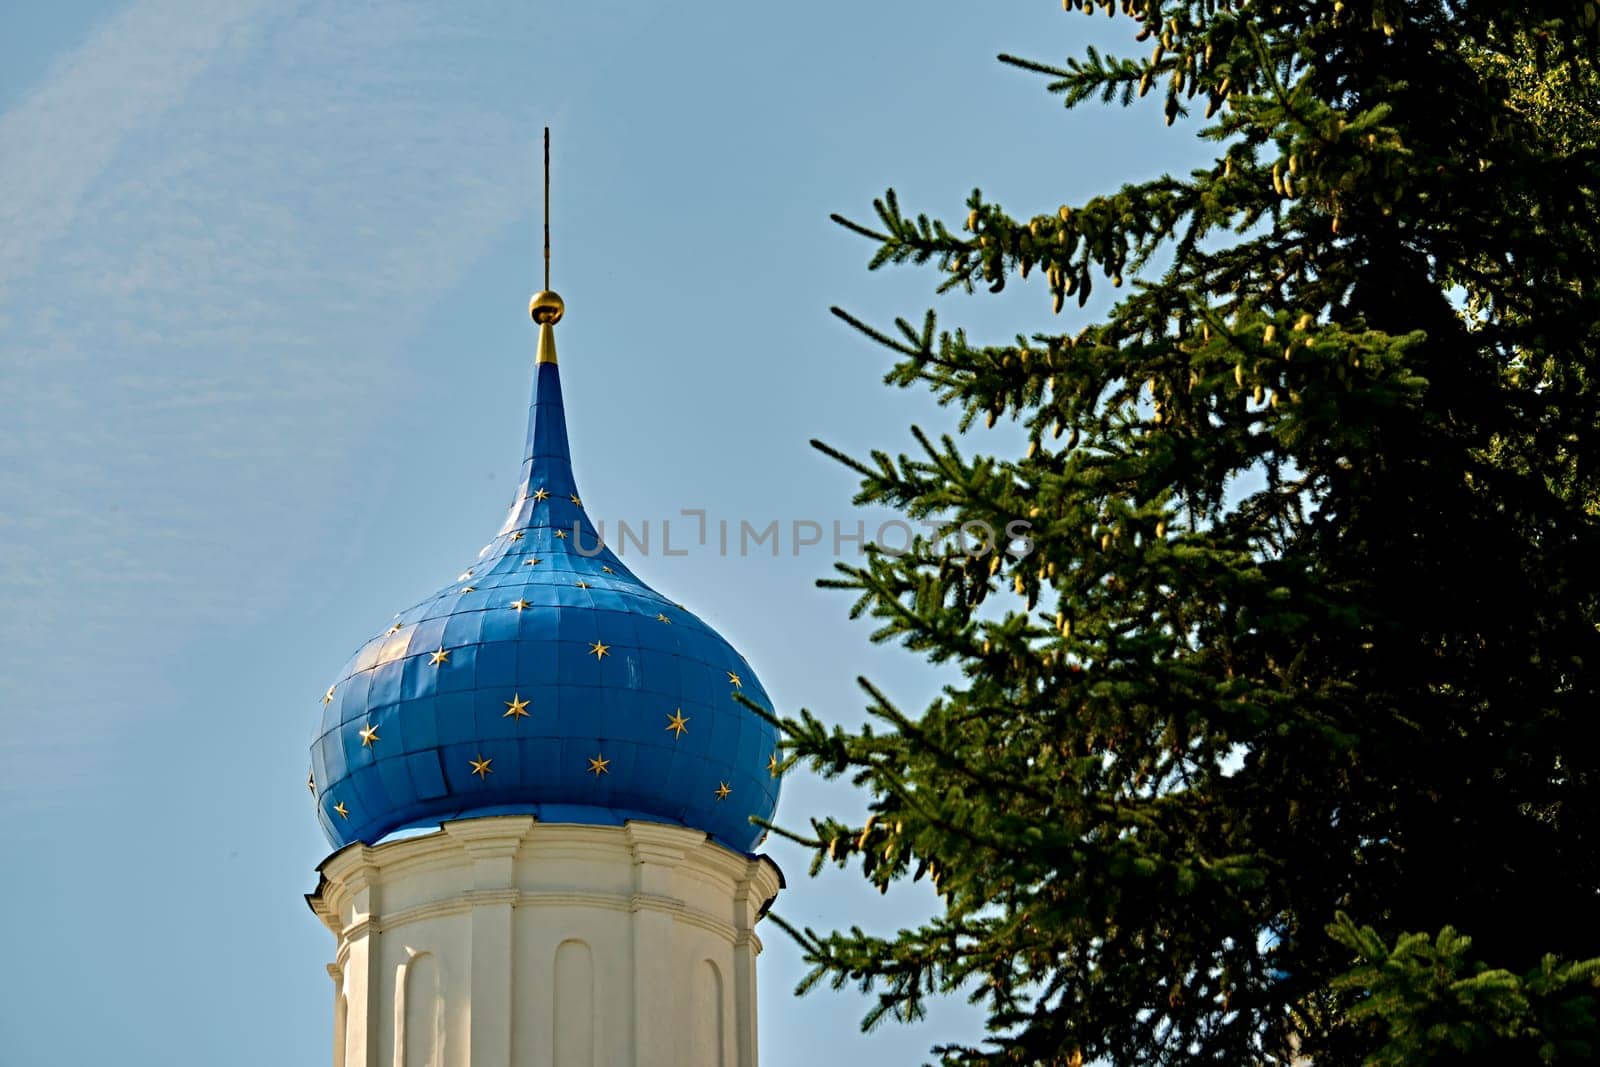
point(546, 307)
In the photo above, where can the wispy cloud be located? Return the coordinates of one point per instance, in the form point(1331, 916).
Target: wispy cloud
point(199, 212)
point(59, 139)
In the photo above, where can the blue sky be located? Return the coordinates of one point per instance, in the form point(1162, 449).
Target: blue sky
point(263, 278)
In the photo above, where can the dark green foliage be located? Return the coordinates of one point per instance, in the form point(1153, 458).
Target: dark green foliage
point(1437, 1006)
point(1309, 624)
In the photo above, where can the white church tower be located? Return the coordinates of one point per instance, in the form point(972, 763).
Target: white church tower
point(539, 783)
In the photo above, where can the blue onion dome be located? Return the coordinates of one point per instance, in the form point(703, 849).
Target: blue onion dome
point(546, 680)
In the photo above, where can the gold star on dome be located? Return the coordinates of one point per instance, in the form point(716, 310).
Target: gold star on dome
point(734, 678)
point(540, 494)
point(599, 651)
point(463, 576)
point(772, 765)
point(327, 698)
point(344, 812)
point(582, 584)
point(722, 790)
point(369, 736)
point(520, 604)
point(562, 534)
point(517, 708)
point(395, 628)
point(439, 658)
point(469, 589)
point(662, 618)
point(678, 723)
point(517, 536)
point(599, 765)
point(608, 570)
point(575, 500)
point(311, 782)
point(480, 767)
point(534, 562)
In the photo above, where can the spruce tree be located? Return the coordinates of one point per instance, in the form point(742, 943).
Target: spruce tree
point(1277, 739)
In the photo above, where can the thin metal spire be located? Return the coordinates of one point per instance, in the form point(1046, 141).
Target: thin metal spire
point(547, 207)
point(546, 308)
